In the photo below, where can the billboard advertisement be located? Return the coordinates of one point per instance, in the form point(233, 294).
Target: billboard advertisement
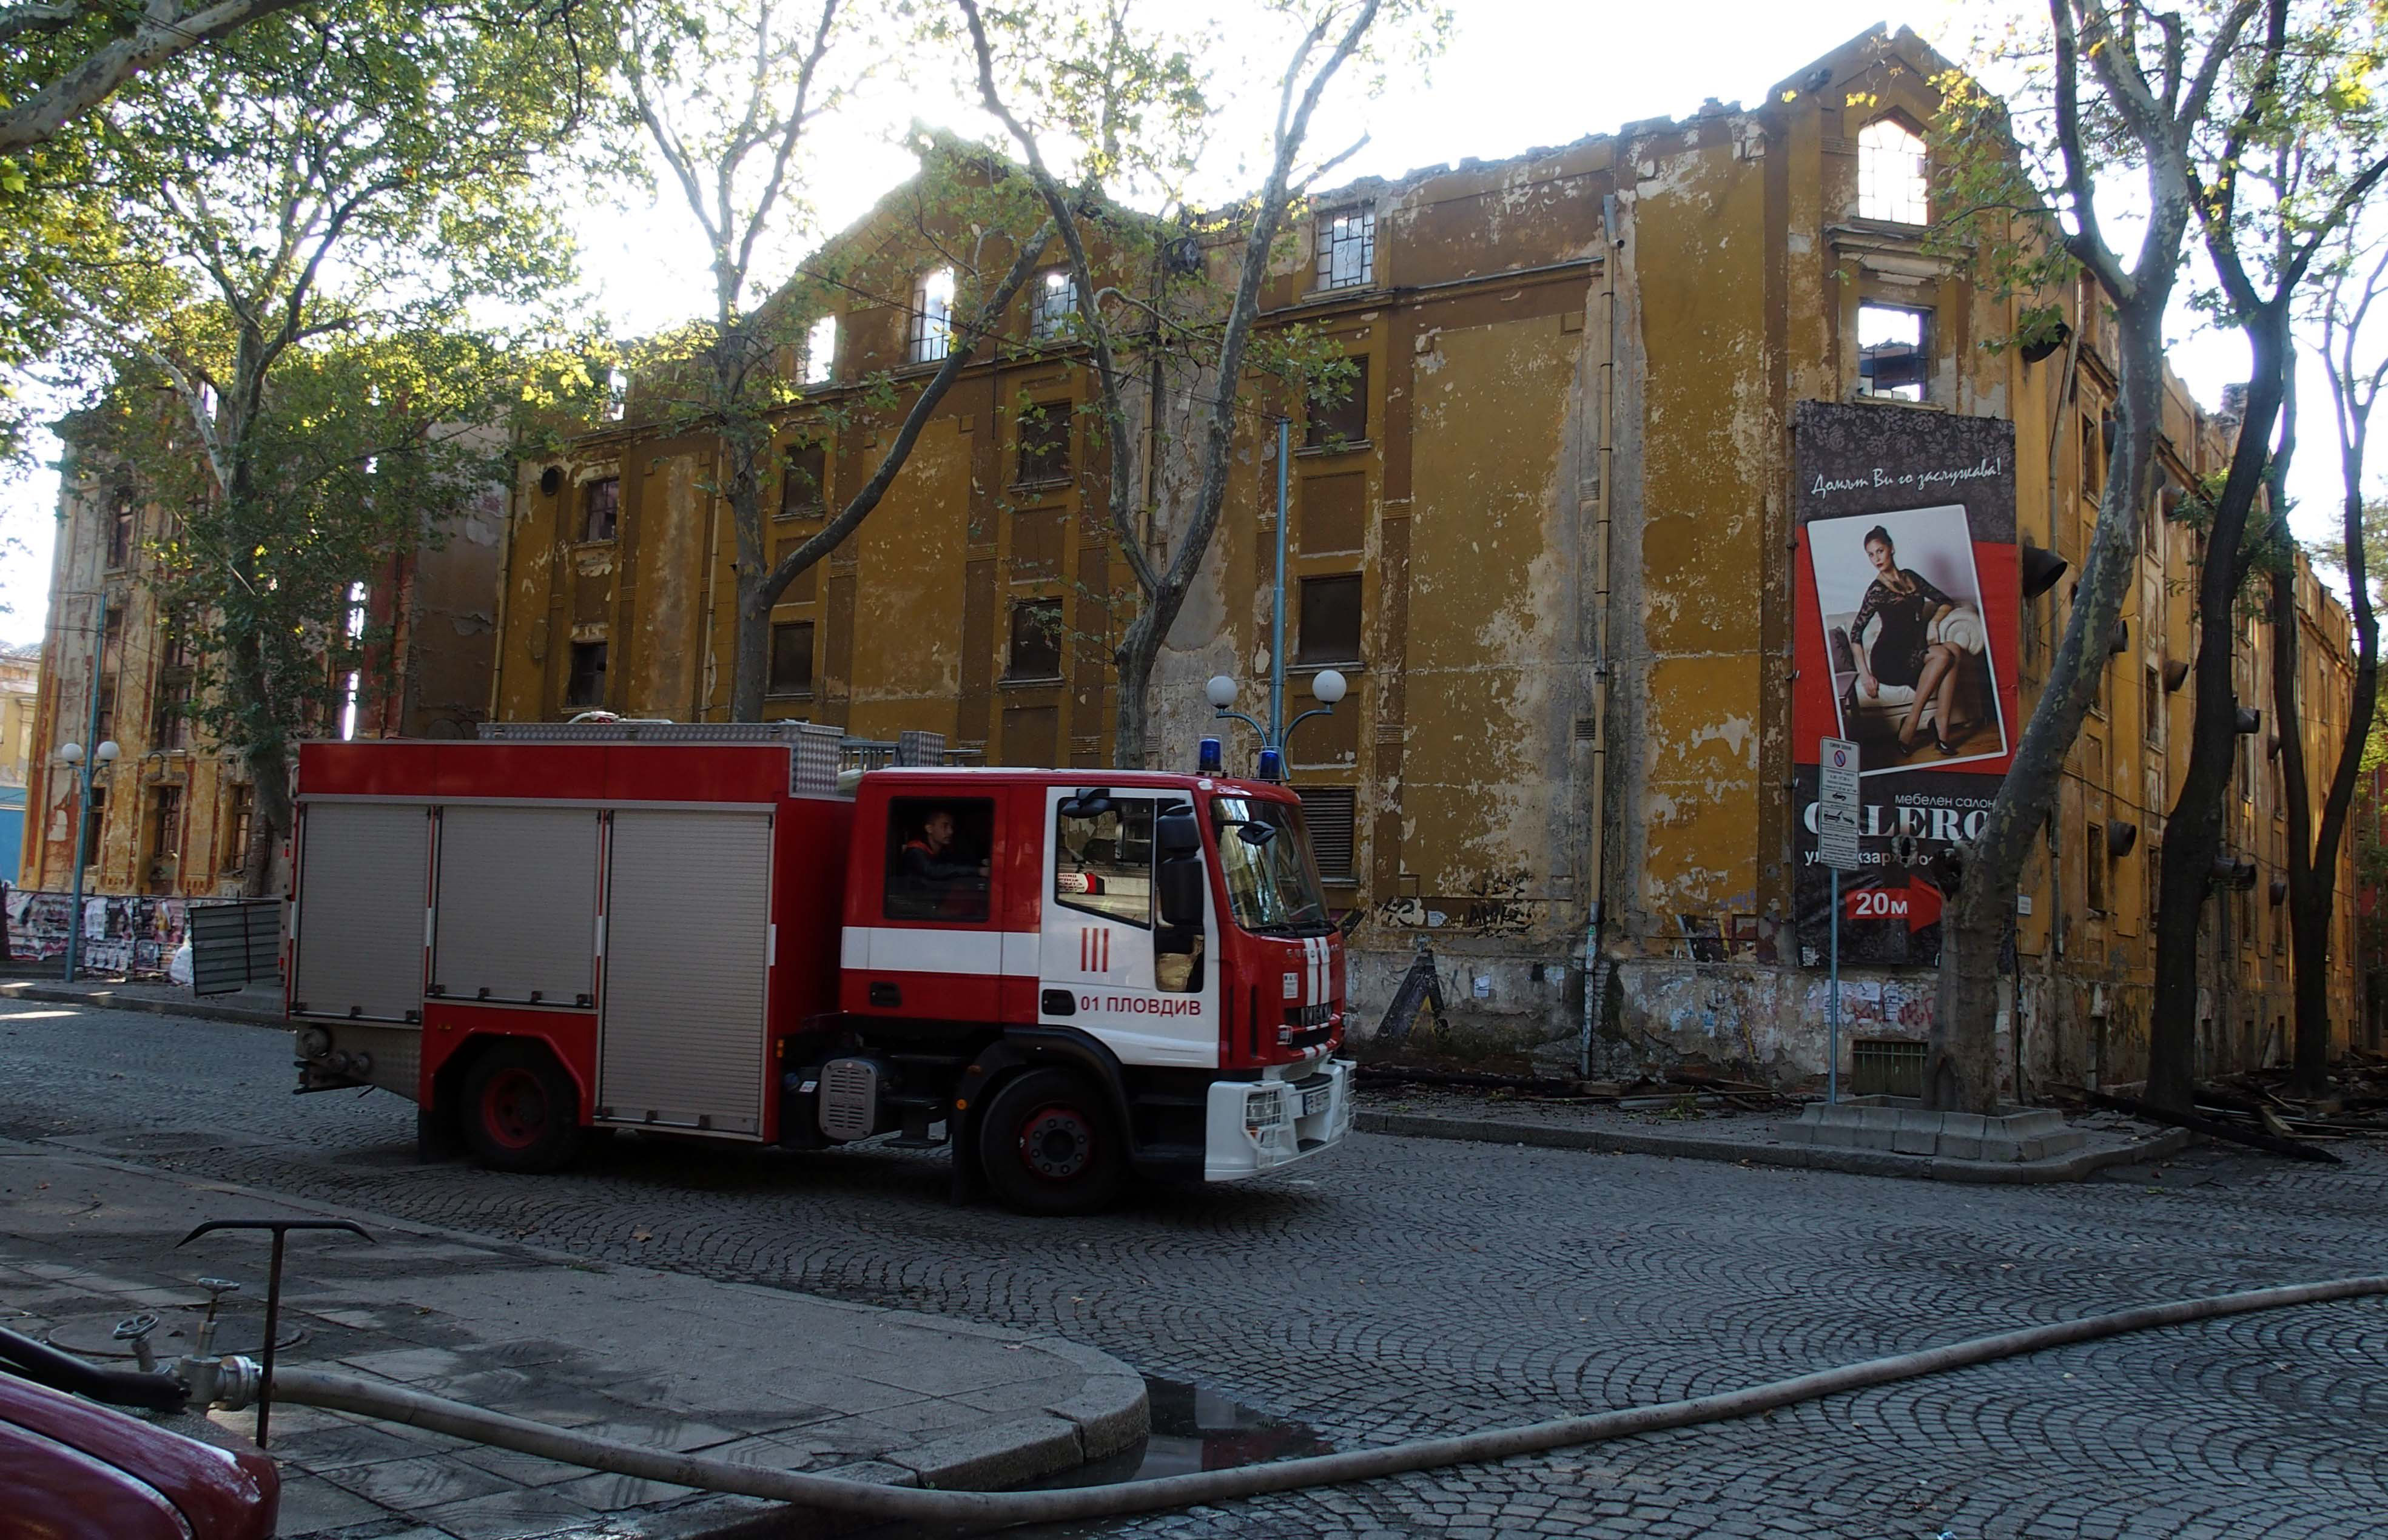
point(1906, 600)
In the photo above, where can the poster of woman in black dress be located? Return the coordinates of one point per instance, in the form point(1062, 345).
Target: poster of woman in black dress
point(1902, 614)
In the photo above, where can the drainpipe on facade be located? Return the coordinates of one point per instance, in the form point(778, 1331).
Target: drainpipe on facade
point(505, 583)
point(1595, 981)
point(709, 639)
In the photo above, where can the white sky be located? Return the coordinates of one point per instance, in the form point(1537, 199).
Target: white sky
point(1518, 73)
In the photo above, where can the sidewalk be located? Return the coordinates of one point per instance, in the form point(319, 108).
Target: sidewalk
point(258, 1005)
point(1748, 1138)
point(737, 1371)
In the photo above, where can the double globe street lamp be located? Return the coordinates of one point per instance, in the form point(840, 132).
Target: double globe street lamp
point(1328, 685)
point(86, 845)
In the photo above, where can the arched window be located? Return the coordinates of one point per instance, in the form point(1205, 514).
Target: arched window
point(1891, 174)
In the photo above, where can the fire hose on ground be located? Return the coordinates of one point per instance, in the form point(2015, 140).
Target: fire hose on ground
point(1001, 1509)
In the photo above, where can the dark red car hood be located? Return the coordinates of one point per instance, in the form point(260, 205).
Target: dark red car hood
point(73, 1468)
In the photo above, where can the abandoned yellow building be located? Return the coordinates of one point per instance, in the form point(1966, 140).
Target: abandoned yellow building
point(1549, 541)
point(170, 817)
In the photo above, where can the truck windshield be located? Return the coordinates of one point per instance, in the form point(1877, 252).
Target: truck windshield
point(1272, 885)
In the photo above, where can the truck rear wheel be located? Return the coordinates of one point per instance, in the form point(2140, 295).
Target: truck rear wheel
point(1050, 1144)
point(521, 1111)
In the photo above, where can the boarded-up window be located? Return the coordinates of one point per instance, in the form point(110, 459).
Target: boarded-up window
point(1029, 734)
point(1036, 640)
point(1338, 409)
point(1037, 537)
point(1334, 514)
point(1328, 627)
point(1045, 443)
point(1330, 813)
point(601, 502)
point(586, 686)
point(792, 658)
point(804, 489)
point(2093, 866)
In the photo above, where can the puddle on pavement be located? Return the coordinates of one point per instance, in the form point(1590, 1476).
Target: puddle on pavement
point(1194, 1429)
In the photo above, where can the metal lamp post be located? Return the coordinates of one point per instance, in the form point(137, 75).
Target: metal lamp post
point(1329, 685)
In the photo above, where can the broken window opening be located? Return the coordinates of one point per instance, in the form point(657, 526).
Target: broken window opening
point(240, 806)
point(1045, 443)
point(1892, 184)
point(820, 351)
point(171, 712)
point(600, 503)
point(804, 481)
point(1036, 640)
point(1343, 422)
point(120, 525)
point(792, 658)
point(1053, 303)
point(1327, 628)
point(933, 316)
point(165, 824)
point(1347, 248)
point(1894, 350)
point(586, 685)
point(92, 825)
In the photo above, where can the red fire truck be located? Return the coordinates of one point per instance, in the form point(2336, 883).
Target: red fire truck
point(724, 930)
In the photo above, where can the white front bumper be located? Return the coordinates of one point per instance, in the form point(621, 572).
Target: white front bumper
point(1255, 1126)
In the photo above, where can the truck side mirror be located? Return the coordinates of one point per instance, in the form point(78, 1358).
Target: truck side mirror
point(1178, 835)
point(1181, 891)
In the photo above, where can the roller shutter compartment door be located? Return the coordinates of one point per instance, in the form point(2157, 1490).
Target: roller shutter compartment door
point(517, 905)
point(361, 910)
point(686, 923)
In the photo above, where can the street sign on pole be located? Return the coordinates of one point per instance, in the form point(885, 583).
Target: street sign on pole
point(1837, 804)
point(1836, 847)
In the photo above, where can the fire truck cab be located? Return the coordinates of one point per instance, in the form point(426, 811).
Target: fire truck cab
point(1068, 976)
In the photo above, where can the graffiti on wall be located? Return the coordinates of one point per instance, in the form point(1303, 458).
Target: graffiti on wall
point(129, 934)
point(1494, 905)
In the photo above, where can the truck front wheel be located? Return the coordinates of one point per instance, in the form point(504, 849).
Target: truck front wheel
point(1050, 1144)
point(521, 1111)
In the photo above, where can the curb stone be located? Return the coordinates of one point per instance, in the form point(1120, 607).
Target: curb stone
point(1854, 1162)
point(109, 999)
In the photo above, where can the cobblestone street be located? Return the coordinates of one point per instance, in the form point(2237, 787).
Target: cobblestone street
point(1401, 1288)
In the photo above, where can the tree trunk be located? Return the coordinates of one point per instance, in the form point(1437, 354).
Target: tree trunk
point(751, 651)
point(2313, 889)
point(2309, 900)
point(751, 648)
point(2192, 832)
point(1961, 1064)
point(1139, 648)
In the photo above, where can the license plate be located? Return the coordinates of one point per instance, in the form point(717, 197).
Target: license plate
point(1313, 1100)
